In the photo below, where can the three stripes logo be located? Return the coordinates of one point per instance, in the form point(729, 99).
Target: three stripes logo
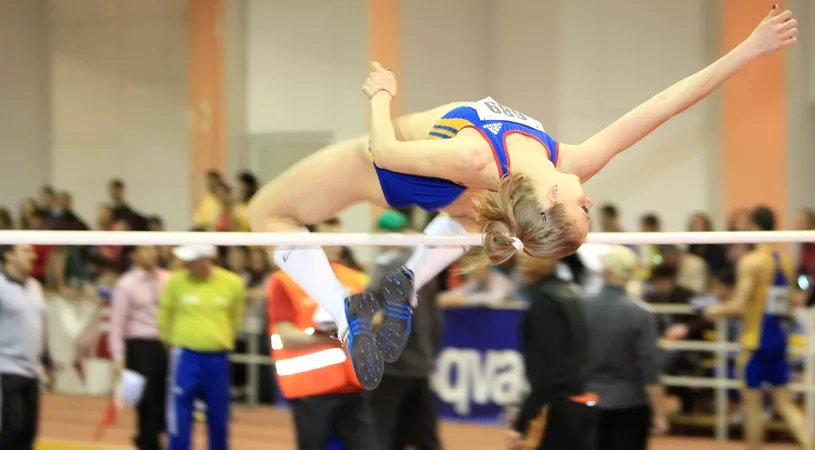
point(493, 127)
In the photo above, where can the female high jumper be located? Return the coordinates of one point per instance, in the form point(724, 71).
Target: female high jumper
point(462, 167)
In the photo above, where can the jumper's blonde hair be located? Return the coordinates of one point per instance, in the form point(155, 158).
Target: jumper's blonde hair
point(514, 212)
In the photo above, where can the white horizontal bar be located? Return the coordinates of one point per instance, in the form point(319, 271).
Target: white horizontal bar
point(713, 237)
point(231, 239)
point(720, 383)
point(671, 308)
point(701, 346)
point(244, 358)
point(667, 380)
point(366, 239)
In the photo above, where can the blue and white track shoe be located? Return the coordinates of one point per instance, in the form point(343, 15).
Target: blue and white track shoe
point(359, 339)
point(392, 335)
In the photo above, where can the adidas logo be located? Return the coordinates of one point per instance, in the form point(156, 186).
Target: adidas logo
point(494, 127)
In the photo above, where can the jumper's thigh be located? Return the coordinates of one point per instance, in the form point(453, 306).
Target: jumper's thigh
point(318, 187)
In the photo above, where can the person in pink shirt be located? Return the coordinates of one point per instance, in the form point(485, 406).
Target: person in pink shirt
point(134, 343)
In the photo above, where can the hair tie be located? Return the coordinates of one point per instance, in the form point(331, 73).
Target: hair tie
point(519, 246)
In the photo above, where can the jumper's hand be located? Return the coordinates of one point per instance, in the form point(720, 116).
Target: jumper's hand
point(379, 80)
point(777, 31)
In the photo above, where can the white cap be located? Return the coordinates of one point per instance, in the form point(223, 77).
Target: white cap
point(189, 253)
point(620, 261)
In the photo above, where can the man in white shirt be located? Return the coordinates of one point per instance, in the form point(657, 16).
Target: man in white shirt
point(22, 348)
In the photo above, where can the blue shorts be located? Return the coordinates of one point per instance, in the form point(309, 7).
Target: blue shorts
point(765, 367)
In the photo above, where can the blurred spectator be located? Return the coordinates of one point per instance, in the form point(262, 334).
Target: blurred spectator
point(165, 253)
point(121, 254)
point(695, 327)
point(557, 413)
point(610, 219)
point(805, 221)
point(258, 273)
point(225, 219)
point(691, 271)
point(700, 222)
point(22, 349)
point(67, 265)
point(483, 287)
point(590, 280)
point(325, 397)
point(260, 265)
point(572, 268)
point(104, 218)
point(738, 220)
point(93, 341)
point(714, 254)
point(247, 186)
point(623, 363)
point(108, 254)
point(209, 207)
point(134, 344)
point(121, 210)
point(47, 202)
point(650, 254)
point(64, 216)
point(650, 223)
point(27, 209)
point(664, 289)
point(200, 314)
point(230, 217)
point(37, 221)
point(154, 223)
point(404, 403)
point(165, 257)
point(6, 223)
point(237, 262)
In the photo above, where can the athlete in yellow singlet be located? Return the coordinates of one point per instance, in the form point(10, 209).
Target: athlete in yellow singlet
point(763, 298)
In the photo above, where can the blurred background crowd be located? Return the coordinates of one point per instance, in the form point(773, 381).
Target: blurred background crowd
point(669, 274)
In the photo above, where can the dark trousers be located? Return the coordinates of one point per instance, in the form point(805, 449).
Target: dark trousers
point(348, 417)
point(563, 425)
point(240, 371)
point(625, 429)
point(148, 357)
point(405, 411)
point(19, 412)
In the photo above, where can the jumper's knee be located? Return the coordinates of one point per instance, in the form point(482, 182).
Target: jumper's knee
point(267, 220)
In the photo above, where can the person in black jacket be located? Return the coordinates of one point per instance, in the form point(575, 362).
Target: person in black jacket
point(404, 403)
point(558, 413)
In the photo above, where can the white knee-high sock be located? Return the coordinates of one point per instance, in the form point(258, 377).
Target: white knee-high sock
point(310, 269)
point(427, 262)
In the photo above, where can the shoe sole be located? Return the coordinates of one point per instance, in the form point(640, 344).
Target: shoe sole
point(392, 335)
point(366, 359)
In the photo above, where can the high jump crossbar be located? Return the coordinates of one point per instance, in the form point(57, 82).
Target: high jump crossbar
point(133, 238)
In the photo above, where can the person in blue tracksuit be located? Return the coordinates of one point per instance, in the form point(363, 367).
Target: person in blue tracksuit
point(200, 312)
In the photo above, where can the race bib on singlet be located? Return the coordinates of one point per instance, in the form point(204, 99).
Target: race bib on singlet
point(778, 301)
point(489, 109)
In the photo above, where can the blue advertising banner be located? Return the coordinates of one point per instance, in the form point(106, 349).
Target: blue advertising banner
point(479, 370)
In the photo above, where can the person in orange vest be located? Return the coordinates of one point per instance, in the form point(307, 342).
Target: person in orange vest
point(314, 372)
